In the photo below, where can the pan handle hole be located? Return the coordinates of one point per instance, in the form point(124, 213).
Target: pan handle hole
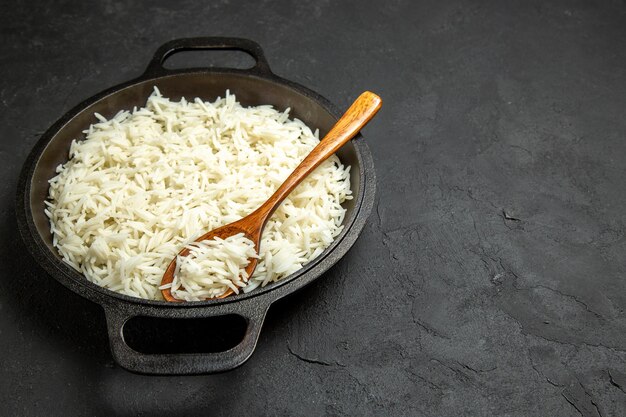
point(153, 335)
point(209, 59)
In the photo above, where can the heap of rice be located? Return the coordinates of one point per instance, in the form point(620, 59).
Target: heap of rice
point(211, 265)
point(145, 183)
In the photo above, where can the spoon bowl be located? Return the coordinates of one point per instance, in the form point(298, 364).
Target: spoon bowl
point(348, 125)
point(246, 225)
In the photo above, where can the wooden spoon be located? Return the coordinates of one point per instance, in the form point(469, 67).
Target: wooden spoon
point(357, 116)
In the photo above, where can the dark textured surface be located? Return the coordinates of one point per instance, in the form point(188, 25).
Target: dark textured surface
point(490, 279)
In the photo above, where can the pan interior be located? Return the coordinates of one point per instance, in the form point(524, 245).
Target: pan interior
point(250, 91)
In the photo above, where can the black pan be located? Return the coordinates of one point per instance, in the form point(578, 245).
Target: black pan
point(254, 86)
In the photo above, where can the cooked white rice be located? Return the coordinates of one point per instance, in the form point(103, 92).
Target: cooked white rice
point(145, 183)
point(211, 267)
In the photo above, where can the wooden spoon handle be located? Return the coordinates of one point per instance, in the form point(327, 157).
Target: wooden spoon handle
point(357, 116)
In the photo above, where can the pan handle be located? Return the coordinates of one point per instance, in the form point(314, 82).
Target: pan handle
point(183, 363)
point(155, 67)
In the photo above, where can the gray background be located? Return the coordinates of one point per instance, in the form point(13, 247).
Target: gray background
point(490, 278)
